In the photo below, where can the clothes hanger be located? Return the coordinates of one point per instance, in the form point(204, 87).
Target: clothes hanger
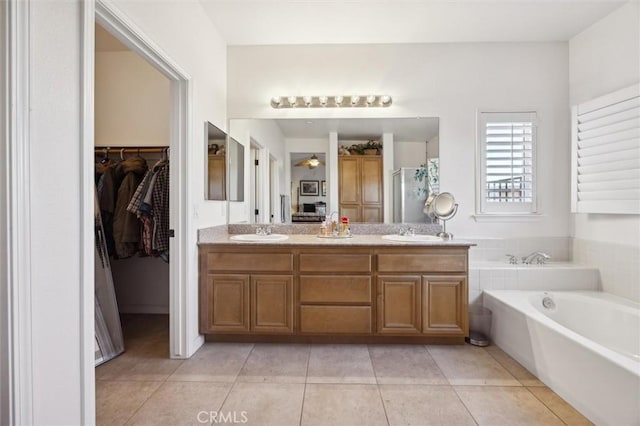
point(105, 158)
point(122, 154)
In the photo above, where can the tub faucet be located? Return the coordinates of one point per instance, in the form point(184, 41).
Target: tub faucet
point(537, 256)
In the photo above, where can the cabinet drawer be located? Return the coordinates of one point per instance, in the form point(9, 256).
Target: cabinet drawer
point(247, 262)
point(436, 262)
point(335, 289)
point(335, 319)
point(340, 262)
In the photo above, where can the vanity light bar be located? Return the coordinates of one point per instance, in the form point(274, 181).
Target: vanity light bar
point(353, 101)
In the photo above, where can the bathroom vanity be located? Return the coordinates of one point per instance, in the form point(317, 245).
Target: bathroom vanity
point(309, 289)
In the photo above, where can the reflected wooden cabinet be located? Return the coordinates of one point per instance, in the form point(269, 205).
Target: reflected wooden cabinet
point(360, 188)
point(216, 180)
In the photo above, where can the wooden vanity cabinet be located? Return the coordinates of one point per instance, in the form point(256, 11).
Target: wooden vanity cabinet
point(258, 302)
point(306, 293)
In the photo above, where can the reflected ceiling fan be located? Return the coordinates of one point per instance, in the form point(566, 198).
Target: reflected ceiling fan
point(311, 163)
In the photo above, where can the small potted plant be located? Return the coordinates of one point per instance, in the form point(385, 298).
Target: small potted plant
point(371, 147)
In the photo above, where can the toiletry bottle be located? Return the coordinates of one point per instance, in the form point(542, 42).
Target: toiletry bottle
point(323, 229)
point(345, 226)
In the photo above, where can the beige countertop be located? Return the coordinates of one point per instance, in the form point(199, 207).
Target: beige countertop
point(313, 240)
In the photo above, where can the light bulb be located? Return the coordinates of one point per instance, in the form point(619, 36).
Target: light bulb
point(307, 100)
point(338, 100)
point(371, 99)
point(386, 100)
point(323, 100)
point(355, 100)
point(276, 101)
point(292, 100)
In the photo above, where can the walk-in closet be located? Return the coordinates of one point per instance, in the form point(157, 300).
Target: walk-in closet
point(132, 138)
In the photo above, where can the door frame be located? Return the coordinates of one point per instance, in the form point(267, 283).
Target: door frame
point(116, 22)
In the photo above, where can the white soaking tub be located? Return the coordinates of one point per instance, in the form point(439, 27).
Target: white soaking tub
point(585, 345)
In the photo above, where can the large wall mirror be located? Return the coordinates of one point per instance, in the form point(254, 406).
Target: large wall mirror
point(384, 170)
point(216, 169)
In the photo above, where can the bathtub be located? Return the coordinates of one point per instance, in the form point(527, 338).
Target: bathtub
point(585, 345)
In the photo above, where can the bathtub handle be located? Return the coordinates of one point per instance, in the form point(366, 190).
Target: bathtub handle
point(513, 260)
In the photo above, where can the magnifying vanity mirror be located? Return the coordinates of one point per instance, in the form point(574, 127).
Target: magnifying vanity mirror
point(216, 169)
point(444, 207)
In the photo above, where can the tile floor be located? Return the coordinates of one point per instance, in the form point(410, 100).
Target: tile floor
point(287, 384)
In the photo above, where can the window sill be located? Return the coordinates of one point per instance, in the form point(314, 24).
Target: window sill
point(507, 217)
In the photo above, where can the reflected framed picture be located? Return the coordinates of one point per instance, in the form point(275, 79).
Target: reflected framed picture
point(323, 188)
point(309, 187)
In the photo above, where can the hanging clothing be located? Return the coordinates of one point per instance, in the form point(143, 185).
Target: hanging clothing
point(126, 228)
point(150, 204)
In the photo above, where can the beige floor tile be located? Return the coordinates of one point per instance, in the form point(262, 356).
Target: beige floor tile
point(265, 404)
point(116, 402)
point(470, 365)
point(405, 364)
point(424, 405)
point(146, 369)
point(494, 405)
point(342, 404)
point(340, 364)
point(182, 403)
point(277, 363)
point(214, 362)
point(512, 366)
point(562, 409)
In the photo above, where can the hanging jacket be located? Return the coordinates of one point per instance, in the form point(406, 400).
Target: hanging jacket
point(126, 229)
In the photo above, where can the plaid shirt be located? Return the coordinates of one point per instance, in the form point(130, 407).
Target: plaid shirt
point(160, 209)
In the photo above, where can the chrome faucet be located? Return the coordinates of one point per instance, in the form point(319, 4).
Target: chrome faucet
point(512, 259)
point(537, 256)
point(409, 232)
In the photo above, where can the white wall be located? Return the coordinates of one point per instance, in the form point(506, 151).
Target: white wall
point(449, 81)
point(604, 58)
point(4, 284)
point(408, 154)
point(179, 30)
point(133, 101)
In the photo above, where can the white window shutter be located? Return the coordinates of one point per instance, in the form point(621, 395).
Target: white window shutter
point(507, 162)
point(605, 154)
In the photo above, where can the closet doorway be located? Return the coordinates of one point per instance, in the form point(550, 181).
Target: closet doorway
point(168, 278)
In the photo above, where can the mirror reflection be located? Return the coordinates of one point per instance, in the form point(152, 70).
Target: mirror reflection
point(308, 187)
point(216, 163)
point(236, 169)
point(375, 169)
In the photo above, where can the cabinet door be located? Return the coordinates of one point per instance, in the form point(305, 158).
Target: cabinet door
point(216, 178)
point(352, 211)
point(399, 304)
point(371, 214)
point(371, 180)
point(445, 305)
point(349, 180)
point(272, 304)
point(224, 304)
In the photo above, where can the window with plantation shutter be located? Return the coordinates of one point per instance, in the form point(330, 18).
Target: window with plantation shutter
point(605, 154)
point(507, 162)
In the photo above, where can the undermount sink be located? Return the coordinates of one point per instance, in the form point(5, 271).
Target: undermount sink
point(411, 238)
point(257, 237)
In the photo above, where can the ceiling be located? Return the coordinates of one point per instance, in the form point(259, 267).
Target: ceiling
point(403, 129)
point(263, 22)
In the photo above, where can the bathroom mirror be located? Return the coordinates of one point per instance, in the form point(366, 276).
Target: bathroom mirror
point(235, 163)
point(413, 143)
point(216, 167)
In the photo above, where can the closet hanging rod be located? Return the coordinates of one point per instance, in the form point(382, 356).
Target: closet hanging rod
point(130, 149)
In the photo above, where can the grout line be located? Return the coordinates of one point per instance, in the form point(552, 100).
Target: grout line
point(546, 406)
point(304, 392)
point(435, 361)
point(384, 407)
point(477, 422)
